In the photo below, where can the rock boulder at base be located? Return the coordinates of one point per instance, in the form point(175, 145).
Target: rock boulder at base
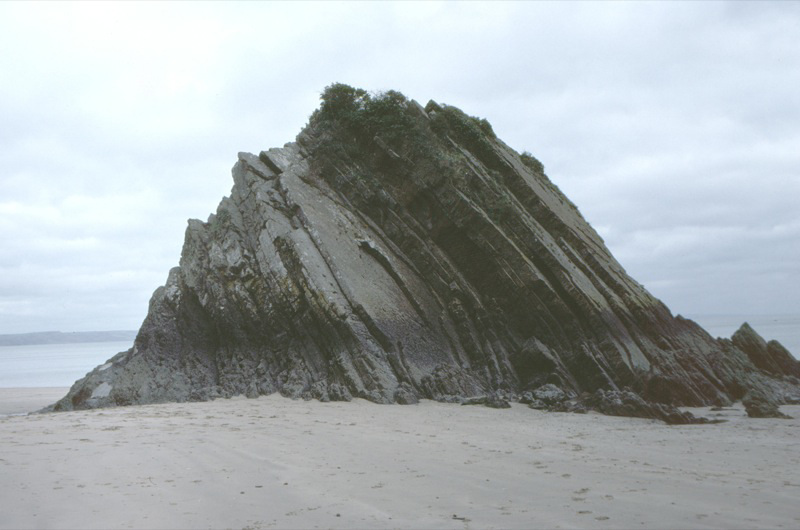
point(493, 401)
point(550, 394)
point(396, 252)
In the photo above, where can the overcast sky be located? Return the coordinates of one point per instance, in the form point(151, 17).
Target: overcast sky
point(674, 127)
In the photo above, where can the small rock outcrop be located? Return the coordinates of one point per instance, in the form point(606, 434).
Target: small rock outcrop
point(757, 404)
point(629, 404)
point(395, 252)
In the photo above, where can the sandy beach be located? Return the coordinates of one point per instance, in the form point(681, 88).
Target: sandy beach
point(276, 463)
point(24, 400)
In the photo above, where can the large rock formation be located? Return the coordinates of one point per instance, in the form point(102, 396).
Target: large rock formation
point(395, 252)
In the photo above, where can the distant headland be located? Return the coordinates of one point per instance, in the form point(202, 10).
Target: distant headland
point(60, 337)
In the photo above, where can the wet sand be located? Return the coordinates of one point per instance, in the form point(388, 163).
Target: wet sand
point(276, 463)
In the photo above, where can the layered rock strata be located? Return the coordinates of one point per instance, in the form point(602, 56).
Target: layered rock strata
point(395, 252)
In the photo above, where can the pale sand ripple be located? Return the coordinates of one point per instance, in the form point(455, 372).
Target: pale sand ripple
point(24, 400)
point(276, 463)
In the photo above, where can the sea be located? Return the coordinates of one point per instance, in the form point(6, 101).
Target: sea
point(60, 365)
point(53, 365)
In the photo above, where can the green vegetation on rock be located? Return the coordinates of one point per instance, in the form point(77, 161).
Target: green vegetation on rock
point(532, 162)
point(476, 134)
point(364, 114)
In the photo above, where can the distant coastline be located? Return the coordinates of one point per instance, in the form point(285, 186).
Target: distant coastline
point(60, 337)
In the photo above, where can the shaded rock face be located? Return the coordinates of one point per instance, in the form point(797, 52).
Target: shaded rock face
point(395, 252)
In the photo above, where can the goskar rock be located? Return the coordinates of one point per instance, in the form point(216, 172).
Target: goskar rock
point(395, 252)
